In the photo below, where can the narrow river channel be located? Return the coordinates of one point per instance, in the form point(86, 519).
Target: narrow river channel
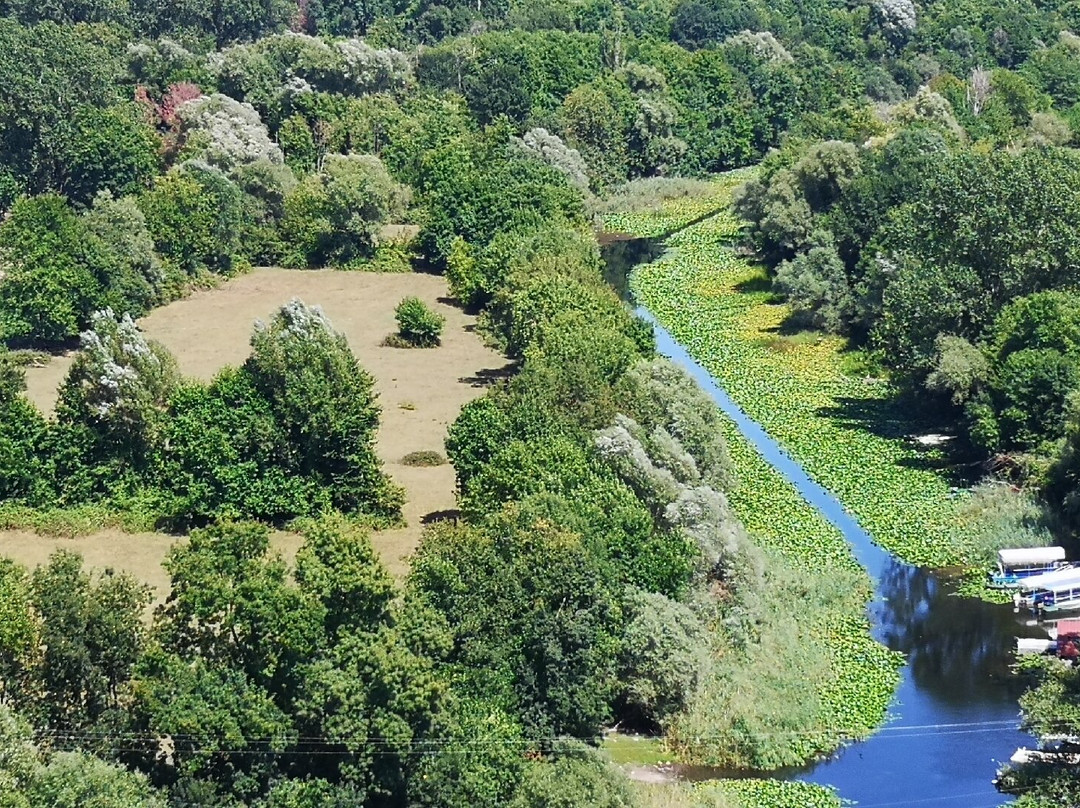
point(954, 718)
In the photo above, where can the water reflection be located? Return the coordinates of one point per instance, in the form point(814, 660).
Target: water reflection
point(958, 649)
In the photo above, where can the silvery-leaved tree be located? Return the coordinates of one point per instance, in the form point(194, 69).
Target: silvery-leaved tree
point(112, 406)
point(120, 379)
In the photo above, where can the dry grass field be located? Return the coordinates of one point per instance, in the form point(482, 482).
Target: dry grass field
point(421, 391)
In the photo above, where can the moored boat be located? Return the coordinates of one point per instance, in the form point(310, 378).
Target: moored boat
point(1050, 592)
point(1017, 564)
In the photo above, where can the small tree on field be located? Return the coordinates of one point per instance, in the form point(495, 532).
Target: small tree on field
point(418, 324)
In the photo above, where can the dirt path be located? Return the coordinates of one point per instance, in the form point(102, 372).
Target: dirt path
point(421, 391)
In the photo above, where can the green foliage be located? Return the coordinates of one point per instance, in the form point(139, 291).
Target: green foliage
point(67, 779)
point(112, 406)
point(478, 761)
point(74, 780)
point(21, 429)
point(59, 96)
point(418, 325)
point(479, 431)
point(290, 433)
point(333, 216)
point(959, 368)
point(478, 189)
point(518, 468)
point(532, 610)
point(92, 633)
point(20, 634)
point(111, 149)
point(663, 658)
point(52, 272)
point(1033, 349)
point(817, 287)
point(576, 776)
point(340, 568)
point(136, 278)
point(253, 656)
point(60, 267)
point(194, 214)
point(599, 488)
point(984, 231)
point(660, 395)
point(754, 793)
point(996, 516)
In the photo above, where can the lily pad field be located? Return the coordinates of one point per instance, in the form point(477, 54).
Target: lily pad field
point(843, 428)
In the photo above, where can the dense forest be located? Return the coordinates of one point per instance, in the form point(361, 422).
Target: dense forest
point(918, 194)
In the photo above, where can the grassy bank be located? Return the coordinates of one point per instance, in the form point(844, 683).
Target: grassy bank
point(740, 794)
point(814, 679)
point(841, 425)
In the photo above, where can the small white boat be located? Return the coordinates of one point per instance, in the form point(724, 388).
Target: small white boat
point(1059, 749)
point(1048, 579)
point(1032, 645)
point(1017, 564)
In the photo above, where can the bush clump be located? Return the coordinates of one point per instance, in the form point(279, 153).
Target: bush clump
point(423, 458)
point(418, 325)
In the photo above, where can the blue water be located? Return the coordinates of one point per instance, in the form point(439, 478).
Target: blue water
point(954, 717)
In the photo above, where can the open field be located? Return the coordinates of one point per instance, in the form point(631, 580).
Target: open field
point(140, 554)
point(421, 391)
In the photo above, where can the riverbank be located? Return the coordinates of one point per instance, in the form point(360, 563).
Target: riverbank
point(814, 678)
point(842, 427)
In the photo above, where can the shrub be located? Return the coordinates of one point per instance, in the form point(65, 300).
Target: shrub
point(417, 324)
point(664, 656)
point(195, 214)
point(817, 288)
point(579, 776)
point(959, 367)
point(21, 427)
point(111, 408)
point(49, 284)
point(226, 133)
point(332, 217)
point(289, 434)
point(423, 458)
point(533, 613)
point(997, 516)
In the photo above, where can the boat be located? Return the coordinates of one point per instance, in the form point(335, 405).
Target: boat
point(1051, 592)
point(1054, 749)
point(1016, 564)
point(1047, 580)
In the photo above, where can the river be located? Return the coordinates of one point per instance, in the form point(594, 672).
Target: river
point(954, 717)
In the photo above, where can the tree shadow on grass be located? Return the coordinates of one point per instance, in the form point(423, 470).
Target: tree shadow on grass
point(486, 377)
point(756, 285)
point(448, 515)
point(902, 419)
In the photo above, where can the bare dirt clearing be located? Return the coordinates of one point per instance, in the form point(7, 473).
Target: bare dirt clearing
point(421, 390)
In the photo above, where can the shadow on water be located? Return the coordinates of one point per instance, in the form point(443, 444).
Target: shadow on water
point(621, 252)
point(954, 718)
point(759, 284)
point(899, 419)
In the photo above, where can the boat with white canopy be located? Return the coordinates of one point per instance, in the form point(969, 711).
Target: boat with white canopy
point(1017, 564)
point(1050, 592)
